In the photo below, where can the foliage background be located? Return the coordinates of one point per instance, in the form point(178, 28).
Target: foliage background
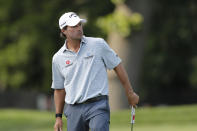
point(29, 36)
point(170, 60)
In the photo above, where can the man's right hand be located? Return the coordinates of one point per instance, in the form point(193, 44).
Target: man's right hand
point(58, 124)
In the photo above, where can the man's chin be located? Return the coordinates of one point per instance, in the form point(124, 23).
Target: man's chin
point(80, 37)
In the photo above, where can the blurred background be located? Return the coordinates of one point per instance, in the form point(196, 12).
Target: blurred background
point(155, 39)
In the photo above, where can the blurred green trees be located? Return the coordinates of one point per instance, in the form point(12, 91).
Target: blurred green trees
point(29, 36)
point(170, 62)
point(121, 20)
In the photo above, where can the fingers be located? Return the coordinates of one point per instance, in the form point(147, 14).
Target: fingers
point(57, 128)
point(133, 99)
point(58, 124)
point(135, 106)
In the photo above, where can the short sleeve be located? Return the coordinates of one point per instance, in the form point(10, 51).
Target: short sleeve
point(110, 58)
point(57, 78)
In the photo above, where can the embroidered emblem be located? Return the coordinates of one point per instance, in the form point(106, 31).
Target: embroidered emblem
point(67, 62)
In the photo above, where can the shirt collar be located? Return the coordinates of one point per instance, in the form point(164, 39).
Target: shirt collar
point(83, 41)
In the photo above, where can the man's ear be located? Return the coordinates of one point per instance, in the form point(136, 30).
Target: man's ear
point(62, 30)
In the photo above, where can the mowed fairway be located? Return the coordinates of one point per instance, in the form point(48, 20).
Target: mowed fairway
point(174, 118)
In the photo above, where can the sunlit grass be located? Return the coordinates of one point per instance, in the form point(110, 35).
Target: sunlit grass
point(175, 118)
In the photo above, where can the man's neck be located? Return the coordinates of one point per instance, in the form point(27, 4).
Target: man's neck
point(73, 45)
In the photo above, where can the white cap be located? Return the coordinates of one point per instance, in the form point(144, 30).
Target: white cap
point(69, 19)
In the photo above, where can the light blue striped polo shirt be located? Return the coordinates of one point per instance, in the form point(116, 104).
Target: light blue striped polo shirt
point(83, 75)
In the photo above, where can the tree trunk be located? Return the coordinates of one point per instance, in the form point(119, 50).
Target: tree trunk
point(131, 51)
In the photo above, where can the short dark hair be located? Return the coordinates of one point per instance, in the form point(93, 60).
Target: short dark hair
point(62, 35)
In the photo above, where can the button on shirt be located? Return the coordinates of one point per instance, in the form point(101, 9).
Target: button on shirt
point(83, 75)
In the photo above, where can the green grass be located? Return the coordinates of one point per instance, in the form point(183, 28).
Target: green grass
point(175, 118)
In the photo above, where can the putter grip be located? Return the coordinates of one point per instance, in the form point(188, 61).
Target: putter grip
point(132, 115)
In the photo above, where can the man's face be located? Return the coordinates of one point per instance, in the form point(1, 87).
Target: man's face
point(74, 32)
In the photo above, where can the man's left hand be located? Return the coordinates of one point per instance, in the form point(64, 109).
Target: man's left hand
point(133, 98)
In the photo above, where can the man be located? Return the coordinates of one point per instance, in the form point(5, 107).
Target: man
point(79, 71)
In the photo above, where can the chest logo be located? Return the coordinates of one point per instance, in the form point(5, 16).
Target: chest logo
point(68, 62)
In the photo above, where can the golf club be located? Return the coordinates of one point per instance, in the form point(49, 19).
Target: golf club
point(132, 117)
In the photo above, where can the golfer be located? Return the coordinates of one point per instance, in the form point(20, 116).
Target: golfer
point(79, 73)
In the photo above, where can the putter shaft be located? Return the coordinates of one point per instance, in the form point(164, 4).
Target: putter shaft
point(131, 126)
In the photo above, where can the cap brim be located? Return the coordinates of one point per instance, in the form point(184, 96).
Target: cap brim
point(83, 20)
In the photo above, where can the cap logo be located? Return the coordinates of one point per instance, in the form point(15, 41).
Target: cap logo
point(63, 24)
point(74, 15)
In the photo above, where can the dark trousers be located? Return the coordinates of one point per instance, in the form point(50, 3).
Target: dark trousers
point(93, 115)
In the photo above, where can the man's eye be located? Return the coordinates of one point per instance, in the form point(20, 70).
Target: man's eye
point(74, 26)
